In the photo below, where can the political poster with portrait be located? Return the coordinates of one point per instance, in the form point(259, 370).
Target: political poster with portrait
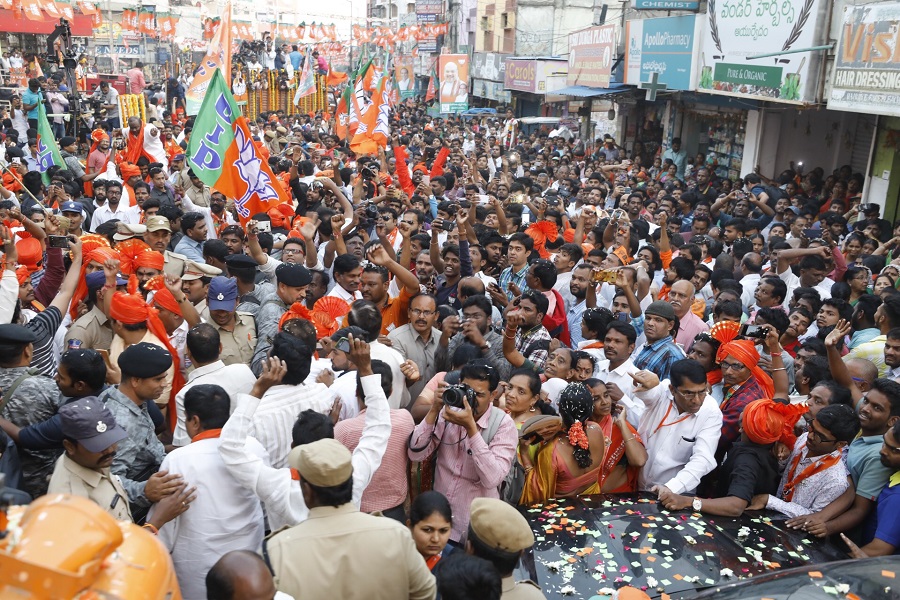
point(453, 73)
point(405, 75)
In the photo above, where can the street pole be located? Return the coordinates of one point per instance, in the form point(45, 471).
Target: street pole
point(112, 45)
point(350, 67)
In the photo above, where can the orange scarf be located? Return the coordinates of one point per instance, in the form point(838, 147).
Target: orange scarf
point(209, 434)
point(825, 462)
point(135, 148)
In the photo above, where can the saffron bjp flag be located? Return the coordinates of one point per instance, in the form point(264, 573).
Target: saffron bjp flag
point(222, 154)
point(307, 83)
point(342, 114)
point(218, 57)
point(47, 150)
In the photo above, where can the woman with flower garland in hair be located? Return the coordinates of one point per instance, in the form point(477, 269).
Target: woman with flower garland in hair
point(571, 449)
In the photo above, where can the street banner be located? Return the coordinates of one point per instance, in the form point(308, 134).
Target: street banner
point(454, 82)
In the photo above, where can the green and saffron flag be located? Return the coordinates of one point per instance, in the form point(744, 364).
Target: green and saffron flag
point(47, 150)
point(223, 156)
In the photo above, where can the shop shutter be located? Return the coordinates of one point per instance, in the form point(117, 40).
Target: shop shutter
point(862, 143)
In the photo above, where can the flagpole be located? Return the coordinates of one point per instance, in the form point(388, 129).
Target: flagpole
point(19, 179)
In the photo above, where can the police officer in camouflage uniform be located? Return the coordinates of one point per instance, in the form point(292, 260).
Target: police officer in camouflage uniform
point(28, 398)
point(137, 461)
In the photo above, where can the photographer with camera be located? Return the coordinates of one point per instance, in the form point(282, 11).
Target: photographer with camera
point(108, 97)
point(475, 442)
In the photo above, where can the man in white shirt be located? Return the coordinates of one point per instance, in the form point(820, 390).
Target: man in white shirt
point(113, 208)
point(203, 347)
point(751, 269)
point(616, 369)
point(813, 271)
point(279, 407)
point(680, 429)
point(226, 516)
point(279, 492)
point(347, 273)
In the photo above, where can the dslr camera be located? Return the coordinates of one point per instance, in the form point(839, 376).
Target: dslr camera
point(371, 211)
point(369, 172)
point(456, 395)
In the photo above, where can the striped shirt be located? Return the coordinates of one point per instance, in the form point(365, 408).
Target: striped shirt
point(277, 413)
point(388, 486)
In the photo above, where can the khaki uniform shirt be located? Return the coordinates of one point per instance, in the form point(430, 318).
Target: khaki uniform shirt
point(238, 345)
point(101, 486)
point(198, 197)
point(522, 590)
point(343, 553)
point(93, 329)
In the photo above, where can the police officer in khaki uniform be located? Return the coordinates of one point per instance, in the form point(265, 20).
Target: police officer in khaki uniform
point(237, 330)
point(93, 329)
point(91, 438)
point(340, 552)
point(195, 284)
point(500, 534)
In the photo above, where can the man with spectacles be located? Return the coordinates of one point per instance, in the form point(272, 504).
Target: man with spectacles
point(744, 381)
point(417, 341)
point(680, 428)
point(815, 473)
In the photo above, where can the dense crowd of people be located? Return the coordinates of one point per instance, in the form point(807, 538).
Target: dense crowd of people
point(473, 320)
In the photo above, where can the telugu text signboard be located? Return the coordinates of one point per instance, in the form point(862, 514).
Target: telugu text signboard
point(866, 73)
point(734, 33)
point(665, 46)
point(591, 56)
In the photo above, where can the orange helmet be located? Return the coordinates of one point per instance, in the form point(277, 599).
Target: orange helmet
point(68, 546)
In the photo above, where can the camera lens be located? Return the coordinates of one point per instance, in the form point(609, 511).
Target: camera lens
point(454, 396)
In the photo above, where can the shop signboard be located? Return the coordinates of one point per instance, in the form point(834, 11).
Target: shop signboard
point(488, 65)
point(664, 46)
point(453, 72)
point(521, 75)
point(429, 12)
point(866, 73)
point(734, 33)
point(666, 5)
point(492, 90)
point(591, 53)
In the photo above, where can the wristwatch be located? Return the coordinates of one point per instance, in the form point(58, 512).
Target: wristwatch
point(486, 345)
point(697, 504)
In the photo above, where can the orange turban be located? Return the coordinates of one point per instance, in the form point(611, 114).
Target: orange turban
point(128, 170)
point(97, 136)
point(130, 309)
point(745, 351)
point(164, 299)
point(149, 259)
point(297, 311)
point(29, 253)
point(22, 274)
point(623, 255)
point(129, 251)
point(99, 254)
point(766, 421)
point(90, 242)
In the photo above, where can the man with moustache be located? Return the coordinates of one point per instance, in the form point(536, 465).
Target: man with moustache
point(681, 297)
point(418, 340)
point(91, 438)
point(583, 291)
point(374, 284)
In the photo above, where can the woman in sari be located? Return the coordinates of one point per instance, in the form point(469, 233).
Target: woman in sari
point(625, 453)
point(568, 460)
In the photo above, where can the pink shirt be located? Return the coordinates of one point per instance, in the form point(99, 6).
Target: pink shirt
point(467, 468)
point(136, 79)
point(688, 329)
point(387, 488)
point(96, 161)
